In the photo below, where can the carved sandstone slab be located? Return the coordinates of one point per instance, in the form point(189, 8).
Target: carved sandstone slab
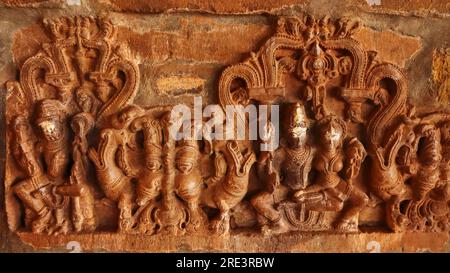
point(441, 74)
point(212, 6)
point(373, 242)
point(85, 163)
point(416, 7)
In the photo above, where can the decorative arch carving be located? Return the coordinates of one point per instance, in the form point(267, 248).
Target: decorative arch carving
point(83, 159)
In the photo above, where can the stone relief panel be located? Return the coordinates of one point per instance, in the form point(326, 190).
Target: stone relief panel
point(351, 109)
point(82, 158)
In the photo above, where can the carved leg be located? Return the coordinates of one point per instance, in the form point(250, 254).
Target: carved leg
point(263, 204)
point(263, 222)
point(24, 191)
point(321, 201)
point(43, 221)
point(188, 188)
point(221, 225)
point(278, 226)
point(82, 201)
point(357, 201)
point(87, 207)
point(62, 225)
point(125, 213)
point(77, 214)
point(87, 210)
point(197, 217)
point(89, 224)
point(269, 218)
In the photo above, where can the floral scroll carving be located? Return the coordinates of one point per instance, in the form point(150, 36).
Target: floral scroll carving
point(83, 158)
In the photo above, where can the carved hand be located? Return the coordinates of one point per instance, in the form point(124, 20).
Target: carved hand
point(300, 196)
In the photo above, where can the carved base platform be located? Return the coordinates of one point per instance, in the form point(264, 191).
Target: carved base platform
point(375, 241)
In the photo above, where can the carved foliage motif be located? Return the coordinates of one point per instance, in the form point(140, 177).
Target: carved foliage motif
point(84, 159)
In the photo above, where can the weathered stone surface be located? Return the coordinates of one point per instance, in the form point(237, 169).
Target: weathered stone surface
point(40, 3)
point(198, 39)
point(180, 85)
point(19, 3)
point(175, 82)
point(440, 75)
point(181, 52)
point(386, 44)
point(417, 7)
point(27, 42)
point(214, 6)
point(309, 242)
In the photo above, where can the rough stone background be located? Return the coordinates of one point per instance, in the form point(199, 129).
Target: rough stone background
point(183, 45)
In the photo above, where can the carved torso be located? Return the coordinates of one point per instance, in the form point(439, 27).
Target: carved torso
point(56, 156)
point(328, 168)
point(296, 166)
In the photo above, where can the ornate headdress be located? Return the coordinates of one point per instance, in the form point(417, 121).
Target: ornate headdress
point(333, 121)
point(49, 109)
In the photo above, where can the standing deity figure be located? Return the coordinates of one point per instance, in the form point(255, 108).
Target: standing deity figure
point(24, 153)
point(330, 191)
point(50, 120)
point(292, 160)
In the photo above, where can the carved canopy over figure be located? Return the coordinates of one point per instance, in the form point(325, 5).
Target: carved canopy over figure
point(82, 158)
point(64, 91)
point(316, 54)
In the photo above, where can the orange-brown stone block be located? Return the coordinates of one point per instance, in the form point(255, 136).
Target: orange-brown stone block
point(224, 126)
